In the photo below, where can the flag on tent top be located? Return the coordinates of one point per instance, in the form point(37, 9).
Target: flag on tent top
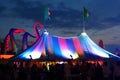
point(47, 13)
point(86, 14)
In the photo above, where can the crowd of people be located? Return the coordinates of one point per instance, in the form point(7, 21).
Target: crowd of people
point(65, 71)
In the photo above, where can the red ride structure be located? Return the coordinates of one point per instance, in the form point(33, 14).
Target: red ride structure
point(10, 40)
point(10, 43)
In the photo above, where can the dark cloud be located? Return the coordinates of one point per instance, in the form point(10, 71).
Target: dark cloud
point(66, 18)
point(69, 33)
point(2, 9)
point(113, 20)
point(29, 10)
point(115, 37)
point(61, 15)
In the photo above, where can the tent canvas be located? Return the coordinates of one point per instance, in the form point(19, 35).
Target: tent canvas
point(50, 47)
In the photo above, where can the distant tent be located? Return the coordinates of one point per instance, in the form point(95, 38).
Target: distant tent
point(49, 47)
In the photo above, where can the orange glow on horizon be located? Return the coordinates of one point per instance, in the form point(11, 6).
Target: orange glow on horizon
point(5, 56)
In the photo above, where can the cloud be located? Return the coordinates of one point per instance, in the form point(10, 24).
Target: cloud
point(109, 35)
point(66, 18)
point(62, 15)
point(29, 10)
point(113, 20)
point(2, 9)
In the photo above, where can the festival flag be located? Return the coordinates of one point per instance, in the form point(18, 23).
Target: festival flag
point(47, 13)
point(86, 14)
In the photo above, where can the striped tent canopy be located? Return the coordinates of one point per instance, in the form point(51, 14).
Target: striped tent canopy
point(50, 47)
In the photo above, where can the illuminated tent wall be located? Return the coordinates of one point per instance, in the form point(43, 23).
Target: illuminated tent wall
point(49, 47)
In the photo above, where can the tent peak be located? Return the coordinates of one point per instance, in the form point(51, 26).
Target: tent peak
point(83, 33)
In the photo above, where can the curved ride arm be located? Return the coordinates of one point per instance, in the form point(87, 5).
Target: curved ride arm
point(36, 30)
point(6, 42)
point(25, 40)
point(10, 39)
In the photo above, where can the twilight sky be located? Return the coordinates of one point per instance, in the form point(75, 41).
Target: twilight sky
point(66, 18)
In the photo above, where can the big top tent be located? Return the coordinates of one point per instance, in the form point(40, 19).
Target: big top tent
point(50, 47)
